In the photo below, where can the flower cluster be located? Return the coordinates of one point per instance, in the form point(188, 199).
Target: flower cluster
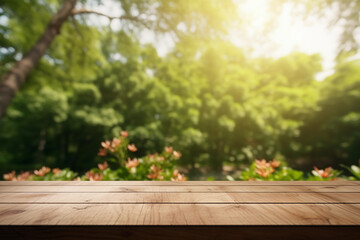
point(264, 168)
point(273, 170)
point(11, 176)
point(120, 155)
point(92, 176)
point(124, 157)
point(103, 166)
point(278, 171)
point(110, 146)
point(132, 163)
point(44, 173)
point(113, 146)
point(324, 174)
point(178, 176)
point(155, 173)
point(156, 166)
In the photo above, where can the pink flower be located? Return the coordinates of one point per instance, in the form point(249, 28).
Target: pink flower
point(175, 173)
point(132, 148)
point(323, 173)
point(10, 176)
point(111, 146)
point(23, 176)
point(168, 149)
point(106, 144)
point(275, 164)
point(102, 152)
point(262, 164)
point(94, 176)
point(42, 171)
point(153, 156)
point(124, 134)
point(179, 177)
point(103, 166)
point(155, 173)
point(132, 163)
point(264, 169)
point(176, 154)
point(115, 143)
point(56, 171)
point(264, 172)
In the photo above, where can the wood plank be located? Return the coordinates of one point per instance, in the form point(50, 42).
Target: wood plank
point(179, 214)
point(177, 189)
point(179, 232)
point(176, 198)
point(185, 183)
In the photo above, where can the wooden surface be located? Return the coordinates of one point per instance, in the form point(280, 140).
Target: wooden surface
point(176, 207)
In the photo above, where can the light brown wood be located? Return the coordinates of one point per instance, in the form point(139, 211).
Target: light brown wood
point(179, 210)
point(163, 197)
point(179, 214)
point(178, 188)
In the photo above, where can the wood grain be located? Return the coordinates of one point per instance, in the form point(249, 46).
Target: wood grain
point(176, 198)
point(179, 210)
point(179, 214)
point(178, 189)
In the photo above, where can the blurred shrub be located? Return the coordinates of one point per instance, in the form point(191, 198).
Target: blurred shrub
point(43, 174)
point(262, 170)
point(158, 166)
point(324, 174)
point(272, 171)
point(120, 164)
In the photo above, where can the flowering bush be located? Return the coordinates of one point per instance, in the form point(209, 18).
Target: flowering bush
point(324, 175)
point(43, 174)
point(278, 171)
point(158, 166)
point(272, 171)
point(118, 154)
point(120, 164)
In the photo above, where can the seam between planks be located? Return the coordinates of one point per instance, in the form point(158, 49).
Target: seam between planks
point(178, 185)
point(189, 203)
point(245, 192)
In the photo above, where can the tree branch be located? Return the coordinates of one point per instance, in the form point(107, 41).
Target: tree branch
point(12, 81)
point(126, 17)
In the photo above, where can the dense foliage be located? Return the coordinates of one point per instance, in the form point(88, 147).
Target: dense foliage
point(208, 99)
point(261, 170)
point(161, 169)
point(118, 151)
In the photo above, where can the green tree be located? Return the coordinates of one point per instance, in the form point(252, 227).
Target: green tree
point(235, 108)
point(92, 81)
point(331, 135)
point(161, 15)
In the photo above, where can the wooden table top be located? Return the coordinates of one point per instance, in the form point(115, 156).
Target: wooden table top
point(180, 203)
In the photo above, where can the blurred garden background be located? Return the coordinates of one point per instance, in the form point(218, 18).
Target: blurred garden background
point(181, 89)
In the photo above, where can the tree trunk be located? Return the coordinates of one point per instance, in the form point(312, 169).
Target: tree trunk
point(12, 81)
